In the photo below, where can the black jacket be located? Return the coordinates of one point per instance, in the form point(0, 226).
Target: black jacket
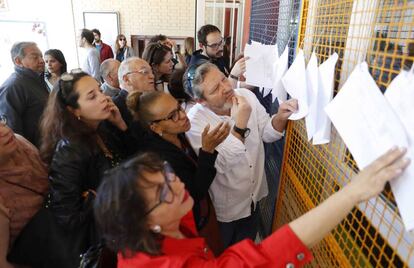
point(23, 96)
point(196, 173)
point(75, 168)
point(135, 134)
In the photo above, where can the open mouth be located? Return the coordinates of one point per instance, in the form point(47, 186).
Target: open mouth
point(10, 140)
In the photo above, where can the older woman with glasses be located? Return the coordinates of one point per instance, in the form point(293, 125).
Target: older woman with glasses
point(78, 147)
point(160, 58)
point(164, 116)
point(122, 50)
point(144, 212)
point(23, 185)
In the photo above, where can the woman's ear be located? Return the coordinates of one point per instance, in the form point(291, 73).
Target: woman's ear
point(75, 112)
point(156, 128)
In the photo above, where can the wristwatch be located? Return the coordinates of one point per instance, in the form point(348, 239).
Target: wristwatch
point(244, 132)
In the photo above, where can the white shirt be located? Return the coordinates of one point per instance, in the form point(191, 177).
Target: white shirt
point(240, 177)
point(92, 63)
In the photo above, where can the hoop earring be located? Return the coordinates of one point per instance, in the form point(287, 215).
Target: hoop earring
point(156, 229)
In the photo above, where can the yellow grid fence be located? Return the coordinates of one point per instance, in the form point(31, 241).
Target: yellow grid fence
point(380, 32)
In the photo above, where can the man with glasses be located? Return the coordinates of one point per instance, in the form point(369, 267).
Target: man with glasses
point(212, 46)
point(134, 74)
point(24, 94)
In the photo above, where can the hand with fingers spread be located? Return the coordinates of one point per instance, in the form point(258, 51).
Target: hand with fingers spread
point(286, 109)
point(116, 117)
point(371, 180)
point(210, 140)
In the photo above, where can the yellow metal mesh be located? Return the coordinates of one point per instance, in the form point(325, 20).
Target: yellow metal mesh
point(378, 32)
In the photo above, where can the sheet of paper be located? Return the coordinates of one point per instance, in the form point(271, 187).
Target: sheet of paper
point(312, 77)
point(400, 95)
point(369, 127)
point(259, 66)
point(322, 133)
point(294, 82)
point(279, 69)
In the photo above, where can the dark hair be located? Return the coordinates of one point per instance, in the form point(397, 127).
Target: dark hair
point(88, 35)
point(96, 31)
point(58, 122)
point(120, 207)
point(58, 55)
point(157, 38)
point(117, 47)
point(154, 53)
point(176, 87)
point(139, 105)
point(204, 31)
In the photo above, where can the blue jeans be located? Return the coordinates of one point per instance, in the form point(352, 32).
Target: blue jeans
point(236, 231)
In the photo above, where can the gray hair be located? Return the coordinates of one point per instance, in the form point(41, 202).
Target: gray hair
point(125, 68)
point(107, 67)
point(17, 50)
point(199, 76)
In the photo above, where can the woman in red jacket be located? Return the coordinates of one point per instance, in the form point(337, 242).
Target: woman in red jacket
point(145, 215)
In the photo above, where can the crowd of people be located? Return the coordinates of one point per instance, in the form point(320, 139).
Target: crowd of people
point(160, 159)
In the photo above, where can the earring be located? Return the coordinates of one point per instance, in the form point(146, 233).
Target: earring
point(79, 117)
point(156, 229)
point(160, 134)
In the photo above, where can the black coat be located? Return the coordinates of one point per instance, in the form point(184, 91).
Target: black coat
point(196, 173)
point(23, 97)
point(135, 134)
point(76, 168)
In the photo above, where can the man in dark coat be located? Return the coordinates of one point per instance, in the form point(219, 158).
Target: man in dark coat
point(24, 94)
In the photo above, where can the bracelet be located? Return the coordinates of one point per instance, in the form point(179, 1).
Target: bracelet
point(234, 77)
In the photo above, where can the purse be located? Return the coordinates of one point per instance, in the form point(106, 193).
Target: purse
point(98, 256)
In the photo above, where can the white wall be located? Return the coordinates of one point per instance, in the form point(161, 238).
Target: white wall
point(59, 26)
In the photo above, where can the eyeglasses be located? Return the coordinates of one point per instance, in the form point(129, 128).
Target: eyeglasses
point(166, 195)
point(3, 120)
point(174, 115)
point(217, 45)
point(143, 71)
point(122, 39)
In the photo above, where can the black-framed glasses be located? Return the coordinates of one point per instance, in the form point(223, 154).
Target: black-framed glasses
point(174, 115)
point(218, 44)
point(3, 120)
point(122, 39)
point(166, 194)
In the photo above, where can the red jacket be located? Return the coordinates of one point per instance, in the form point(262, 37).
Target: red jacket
point(278, 250)
point(106, 52)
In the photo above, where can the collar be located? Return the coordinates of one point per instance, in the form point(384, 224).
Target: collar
point(105, 84)
point(28, 72)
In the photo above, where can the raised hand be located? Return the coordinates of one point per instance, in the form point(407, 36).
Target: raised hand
point(371, 180)
point(210, 140)
point(115, 117)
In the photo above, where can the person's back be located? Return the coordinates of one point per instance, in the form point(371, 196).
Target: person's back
point(24, 94)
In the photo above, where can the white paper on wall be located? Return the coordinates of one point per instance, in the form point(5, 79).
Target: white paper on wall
point(279, 69)
point(259, 66)
point(322, 133)
point(294, 81)
point(312, 77)
point(400, 95)
point(370, 127)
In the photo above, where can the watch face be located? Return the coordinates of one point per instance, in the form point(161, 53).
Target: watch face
point(246, 134)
